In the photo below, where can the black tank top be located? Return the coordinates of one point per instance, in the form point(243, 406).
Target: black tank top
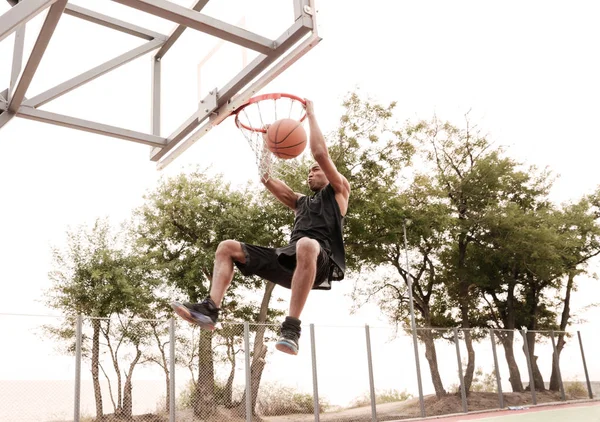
point(319, 217)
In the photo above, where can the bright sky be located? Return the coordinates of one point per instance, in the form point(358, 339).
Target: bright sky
point(528, 71)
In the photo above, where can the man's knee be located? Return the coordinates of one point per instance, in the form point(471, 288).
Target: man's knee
point(307, 249)
point(230, 249)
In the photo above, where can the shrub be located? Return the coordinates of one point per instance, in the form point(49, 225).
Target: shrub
point(274, 399)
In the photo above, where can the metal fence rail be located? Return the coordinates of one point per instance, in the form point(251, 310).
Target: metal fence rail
point(172, 371)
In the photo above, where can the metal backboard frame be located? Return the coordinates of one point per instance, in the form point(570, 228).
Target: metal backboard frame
point(275, 55)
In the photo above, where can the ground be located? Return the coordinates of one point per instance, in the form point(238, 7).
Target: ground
point(433, 407)
point(408, 409)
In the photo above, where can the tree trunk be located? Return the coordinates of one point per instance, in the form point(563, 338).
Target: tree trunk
point(168, 390)
point(560, 340)
point(165, 365)
point(128, 388)
point(464, 311)
point(259, 352)
point(95, 367)
point(204, 397)
point(533, 299)
point(228, 391)
point(426, 337)
point(470, 369)
point(507, 339)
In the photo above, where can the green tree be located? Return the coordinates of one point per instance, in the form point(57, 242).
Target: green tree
point(580, 238)
point(179, 228)
point(472, 178)
point(98, 277)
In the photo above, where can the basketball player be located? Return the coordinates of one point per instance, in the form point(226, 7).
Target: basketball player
point(314, 257)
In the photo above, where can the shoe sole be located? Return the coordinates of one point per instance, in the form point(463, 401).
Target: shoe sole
point(197, 319)
point(286, 348)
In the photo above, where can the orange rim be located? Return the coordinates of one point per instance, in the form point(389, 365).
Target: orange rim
point(265, 97)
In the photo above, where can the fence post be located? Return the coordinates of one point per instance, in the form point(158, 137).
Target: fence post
point(529, 367)
point(371, 379)
point(587, 377)
point(78, 334)
point(463, 393)
point(497, 370)
point(556, 362)
point(172, 370)
point(248, 372)
point(314, 372)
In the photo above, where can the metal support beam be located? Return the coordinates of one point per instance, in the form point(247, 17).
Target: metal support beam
point(556, 363)
point(78, 342)
point(5, 117)
point(497, 370)
point(172, 359)
point(91, 74)
point(463, 392)
point(110, 22)
point(226, 109)
point(17, 63)
point(177, 32)
point(37, 53)
point(529, 367)
point(248, 371)
point(89, 126)
point(371, 378)
point(20, 14)
point(258, 65)
point(254, 68)
point(313, 355)
point(209, 107)
point(192, 19)
point(585, 369)
point(156, 99)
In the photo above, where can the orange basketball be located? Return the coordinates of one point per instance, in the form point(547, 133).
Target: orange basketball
point(286, 138)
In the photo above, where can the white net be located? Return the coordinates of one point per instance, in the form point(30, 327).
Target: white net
point(253, 120)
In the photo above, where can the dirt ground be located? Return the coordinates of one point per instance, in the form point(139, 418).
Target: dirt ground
point(433, 407)
point(408, 409)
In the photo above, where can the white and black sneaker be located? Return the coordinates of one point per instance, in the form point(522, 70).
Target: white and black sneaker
point(205, 314)
point(290, 334)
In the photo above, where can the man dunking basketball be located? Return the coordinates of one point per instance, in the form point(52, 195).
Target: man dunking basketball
point(314, 257)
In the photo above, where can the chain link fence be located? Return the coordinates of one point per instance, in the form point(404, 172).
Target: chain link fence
point(87, 369)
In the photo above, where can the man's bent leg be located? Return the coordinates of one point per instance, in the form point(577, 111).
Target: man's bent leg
point(307, 251)
point(206, 313)
point(228, 251)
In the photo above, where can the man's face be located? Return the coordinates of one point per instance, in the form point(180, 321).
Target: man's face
point(316, 178)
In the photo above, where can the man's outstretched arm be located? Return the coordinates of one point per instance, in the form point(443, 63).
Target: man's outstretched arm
point(318, 148)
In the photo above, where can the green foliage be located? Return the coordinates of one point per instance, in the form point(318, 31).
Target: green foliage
point(484, 382)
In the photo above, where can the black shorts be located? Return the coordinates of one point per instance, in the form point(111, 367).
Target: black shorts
point(278, 265)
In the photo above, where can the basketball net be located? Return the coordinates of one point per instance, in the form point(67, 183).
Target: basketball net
point(253, 119)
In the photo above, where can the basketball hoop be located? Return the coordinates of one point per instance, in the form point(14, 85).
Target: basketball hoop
point(253, 118)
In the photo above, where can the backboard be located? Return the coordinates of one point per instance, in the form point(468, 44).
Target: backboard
point(233, 48)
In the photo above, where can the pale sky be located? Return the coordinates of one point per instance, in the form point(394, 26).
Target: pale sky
point(528, 71)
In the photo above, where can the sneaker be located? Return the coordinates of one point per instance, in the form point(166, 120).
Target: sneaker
point(290, 334)
point(204, 314)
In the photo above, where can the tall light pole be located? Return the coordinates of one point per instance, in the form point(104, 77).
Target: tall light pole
point(413, 324)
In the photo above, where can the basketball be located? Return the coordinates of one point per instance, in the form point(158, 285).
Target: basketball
point(286, 138)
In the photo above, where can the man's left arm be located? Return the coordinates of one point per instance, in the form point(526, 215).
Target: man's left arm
point(318, 148)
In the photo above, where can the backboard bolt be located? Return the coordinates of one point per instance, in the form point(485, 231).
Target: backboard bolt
point(308, 9)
